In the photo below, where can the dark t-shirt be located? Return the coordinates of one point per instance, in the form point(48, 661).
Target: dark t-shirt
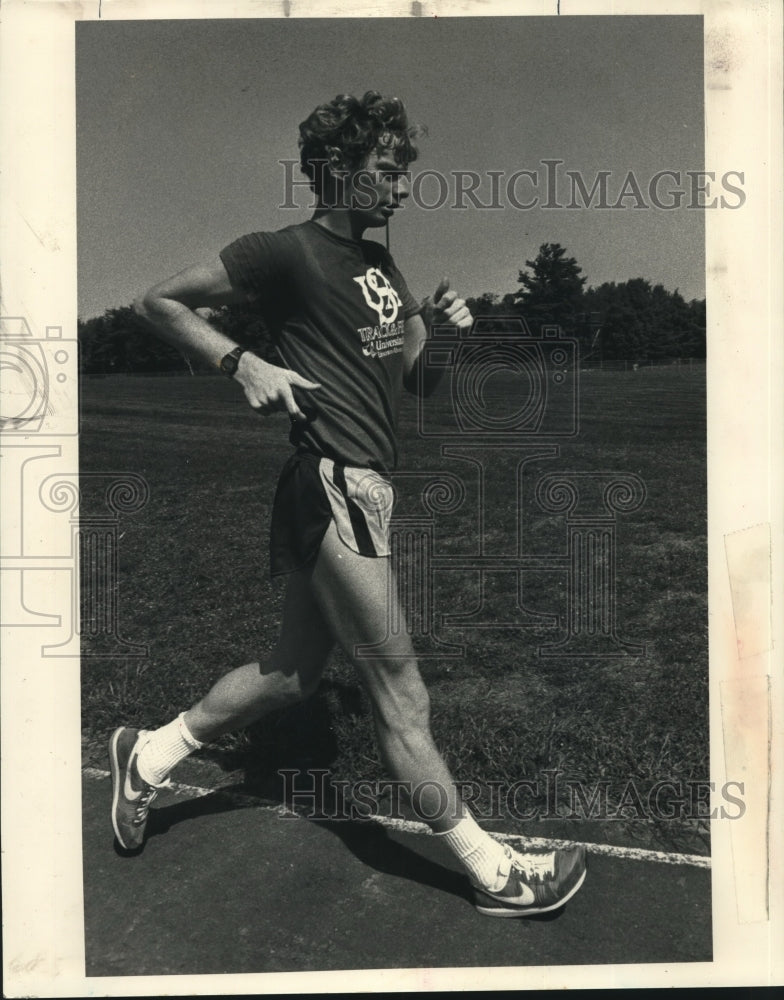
point(337, 309)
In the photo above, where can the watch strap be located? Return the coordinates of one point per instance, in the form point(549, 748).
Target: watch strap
point(229, 362)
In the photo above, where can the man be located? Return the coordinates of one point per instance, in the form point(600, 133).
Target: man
point(350, 337)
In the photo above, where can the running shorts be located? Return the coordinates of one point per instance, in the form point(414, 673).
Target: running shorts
point(311, 492)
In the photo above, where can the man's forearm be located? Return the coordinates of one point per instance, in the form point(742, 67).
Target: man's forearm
point(183, 328)
point(419, 378)
point(422, 379)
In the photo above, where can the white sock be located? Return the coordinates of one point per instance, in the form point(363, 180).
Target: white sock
point(484, 858)
point(164, 749)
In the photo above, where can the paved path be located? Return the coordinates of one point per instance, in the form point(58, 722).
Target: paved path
point(227, 885)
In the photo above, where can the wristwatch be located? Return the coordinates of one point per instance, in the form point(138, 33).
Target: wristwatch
point(229, 362)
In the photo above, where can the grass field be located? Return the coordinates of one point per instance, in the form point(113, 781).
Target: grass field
point(195, 588)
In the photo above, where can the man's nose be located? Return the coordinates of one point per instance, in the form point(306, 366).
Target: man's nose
point(403, 186)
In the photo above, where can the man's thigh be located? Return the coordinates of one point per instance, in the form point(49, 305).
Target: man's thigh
point(358, 598)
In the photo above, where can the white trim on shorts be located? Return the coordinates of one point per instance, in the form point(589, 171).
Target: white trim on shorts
point(361, 502)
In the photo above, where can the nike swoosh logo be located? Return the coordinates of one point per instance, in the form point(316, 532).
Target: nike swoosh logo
point(128, 790)
point(523, 898)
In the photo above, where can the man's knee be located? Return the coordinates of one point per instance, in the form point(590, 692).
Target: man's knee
point(299, 676)
point(288, 686)
point(308, 686)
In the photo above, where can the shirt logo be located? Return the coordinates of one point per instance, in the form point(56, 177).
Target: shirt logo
point(380, 295)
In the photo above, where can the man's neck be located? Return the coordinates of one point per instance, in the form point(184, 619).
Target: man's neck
point(340, 221)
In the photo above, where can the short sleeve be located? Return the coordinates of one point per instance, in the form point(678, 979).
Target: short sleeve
point(253, 263)
point(410, 305)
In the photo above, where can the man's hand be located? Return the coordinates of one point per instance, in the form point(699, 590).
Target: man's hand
point(269, 388)
point(446, 309)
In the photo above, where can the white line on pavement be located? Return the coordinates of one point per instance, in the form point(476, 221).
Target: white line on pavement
point(413, 826)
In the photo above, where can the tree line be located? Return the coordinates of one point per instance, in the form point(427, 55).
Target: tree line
point(616, 321)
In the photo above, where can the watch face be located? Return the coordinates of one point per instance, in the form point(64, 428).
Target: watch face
point(229, 362)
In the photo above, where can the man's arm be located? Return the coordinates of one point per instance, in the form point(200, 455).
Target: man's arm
point(170, 308)
point(445, 308)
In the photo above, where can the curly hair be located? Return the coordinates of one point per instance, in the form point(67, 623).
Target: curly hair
point(355, 127)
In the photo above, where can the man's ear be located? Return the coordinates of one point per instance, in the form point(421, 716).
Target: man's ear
point(336, 162)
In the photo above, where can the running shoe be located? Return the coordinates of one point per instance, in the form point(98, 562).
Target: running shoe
point(538, 882)
point(131, 796)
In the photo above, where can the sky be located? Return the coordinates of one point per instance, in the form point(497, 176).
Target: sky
point(182, 127)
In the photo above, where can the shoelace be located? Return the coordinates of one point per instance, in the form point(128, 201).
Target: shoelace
point(533, 866)
point(143, 806)
point(146, 800)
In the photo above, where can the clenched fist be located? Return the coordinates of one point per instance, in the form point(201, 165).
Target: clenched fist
point(445, 308)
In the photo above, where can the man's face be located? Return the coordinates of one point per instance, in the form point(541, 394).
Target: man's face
point(376, 190)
